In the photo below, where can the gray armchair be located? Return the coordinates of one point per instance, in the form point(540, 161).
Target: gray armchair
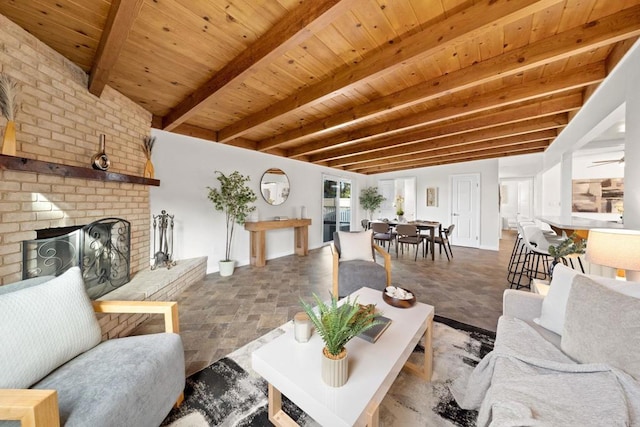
point(56, 370)
point(350, 274)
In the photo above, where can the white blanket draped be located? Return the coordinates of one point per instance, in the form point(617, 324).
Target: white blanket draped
point(527, 381)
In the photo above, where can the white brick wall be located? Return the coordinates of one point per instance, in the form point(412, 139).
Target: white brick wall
point(60, 121)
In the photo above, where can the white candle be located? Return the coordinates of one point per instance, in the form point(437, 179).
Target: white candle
point(301, 327)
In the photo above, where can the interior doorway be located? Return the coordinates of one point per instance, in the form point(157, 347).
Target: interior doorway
point(336, 206)
point(516, 200)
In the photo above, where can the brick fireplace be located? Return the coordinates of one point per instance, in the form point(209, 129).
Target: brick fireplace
point(59, 121)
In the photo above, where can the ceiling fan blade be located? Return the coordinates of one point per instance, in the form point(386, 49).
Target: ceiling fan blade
point(606, 162)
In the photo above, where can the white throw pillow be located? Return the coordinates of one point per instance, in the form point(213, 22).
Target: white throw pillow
point(43, 327)
point(356, 246)
point(555, 303)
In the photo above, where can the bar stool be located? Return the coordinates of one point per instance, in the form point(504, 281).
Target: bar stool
point(536, 259)
point(518, 253)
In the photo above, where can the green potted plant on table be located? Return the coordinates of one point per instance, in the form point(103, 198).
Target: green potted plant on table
point(371, 200)
point(233, 198)
point(573, 246)
point(337, 325)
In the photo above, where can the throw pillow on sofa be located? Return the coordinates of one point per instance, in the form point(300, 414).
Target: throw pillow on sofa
point(43, 327)
point(554, 304)
point(602, 326)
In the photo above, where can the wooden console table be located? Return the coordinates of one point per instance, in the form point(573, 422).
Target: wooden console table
point(258, 237)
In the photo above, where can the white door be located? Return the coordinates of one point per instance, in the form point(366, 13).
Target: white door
point(516, 200)
point(465, 210)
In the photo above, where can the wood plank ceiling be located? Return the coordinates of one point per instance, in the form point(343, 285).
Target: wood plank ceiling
point(367, 86)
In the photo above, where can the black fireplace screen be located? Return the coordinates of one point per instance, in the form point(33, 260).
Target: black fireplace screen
point(101, 250)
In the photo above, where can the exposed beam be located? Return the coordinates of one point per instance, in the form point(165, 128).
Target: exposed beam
point(156, 122)
point(121, 17)
point(443, 149)
point(211, 135)
point(606, 31)
point(618, 51)
point(507, 152)
point(461, 140)
point(556, 83)
point(526, 111)
point(462, 26)
point(292, 29)
point(196, 132)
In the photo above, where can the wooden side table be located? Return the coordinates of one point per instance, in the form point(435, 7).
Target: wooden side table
point(258, 229)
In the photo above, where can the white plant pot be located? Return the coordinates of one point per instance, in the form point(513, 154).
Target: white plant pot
point(335, 372)
point(226, 267)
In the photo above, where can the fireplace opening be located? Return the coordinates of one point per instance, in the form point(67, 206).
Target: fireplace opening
point(47, 233)
point(101, 249)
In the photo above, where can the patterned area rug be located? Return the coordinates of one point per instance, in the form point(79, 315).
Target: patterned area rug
point(230, 393)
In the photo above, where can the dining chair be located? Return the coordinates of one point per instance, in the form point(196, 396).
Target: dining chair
point(383, 232)
point(408, 234)
point(443, 239)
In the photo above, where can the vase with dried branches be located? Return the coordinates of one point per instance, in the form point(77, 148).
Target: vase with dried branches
point(9, 108)
point(147, 147)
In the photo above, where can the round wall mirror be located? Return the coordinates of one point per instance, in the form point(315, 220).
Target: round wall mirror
point(274, 186)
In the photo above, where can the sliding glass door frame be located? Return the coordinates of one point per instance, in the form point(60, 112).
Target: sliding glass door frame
point(337, 205)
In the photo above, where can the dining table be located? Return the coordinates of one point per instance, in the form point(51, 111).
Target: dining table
point(422, 225)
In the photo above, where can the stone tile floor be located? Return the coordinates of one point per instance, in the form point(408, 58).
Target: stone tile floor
point(221, 314)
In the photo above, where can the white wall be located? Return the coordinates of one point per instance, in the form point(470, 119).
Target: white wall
point(185, 166)
point(551, 191)
point(527, 165)
point(439, 176)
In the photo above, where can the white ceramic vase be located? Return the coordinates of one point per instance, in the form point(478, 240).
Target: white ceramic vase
point(335, 372)
point(226, 267)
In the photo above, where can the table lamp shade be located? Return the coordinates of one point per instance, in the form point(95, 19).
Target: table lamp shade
point(615, 248)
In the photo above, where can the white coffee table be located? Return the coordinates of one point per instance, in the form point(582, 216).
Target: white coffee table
point(293, 368)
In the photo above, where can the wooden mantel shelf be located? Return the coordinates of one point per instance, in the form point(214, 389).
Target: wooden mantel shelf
point(39, 166)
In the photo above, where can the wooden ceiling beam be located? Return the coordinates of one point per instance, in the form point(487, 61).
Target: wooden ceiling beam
point(509, 95)
point(619, 50)
point(196, 132)
point(447, 150)
point(458, 27)
point(121, 17)
point(606, 31)
point(211, 135)
point(527, 111)
point(458, 141)
point(292, 29)
point(507, 152)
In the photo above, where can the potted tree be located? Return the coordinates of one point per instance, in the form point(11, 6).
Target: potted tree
point(233, 198)
point(337, 325)
point(371, 200)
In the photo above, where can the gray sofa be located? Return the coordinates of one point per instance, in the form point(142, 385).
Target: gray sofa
point(570, 358)
point(54, 369)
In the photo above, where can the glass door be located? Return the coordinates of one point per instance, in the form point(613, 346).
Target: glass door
point(336, 206)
